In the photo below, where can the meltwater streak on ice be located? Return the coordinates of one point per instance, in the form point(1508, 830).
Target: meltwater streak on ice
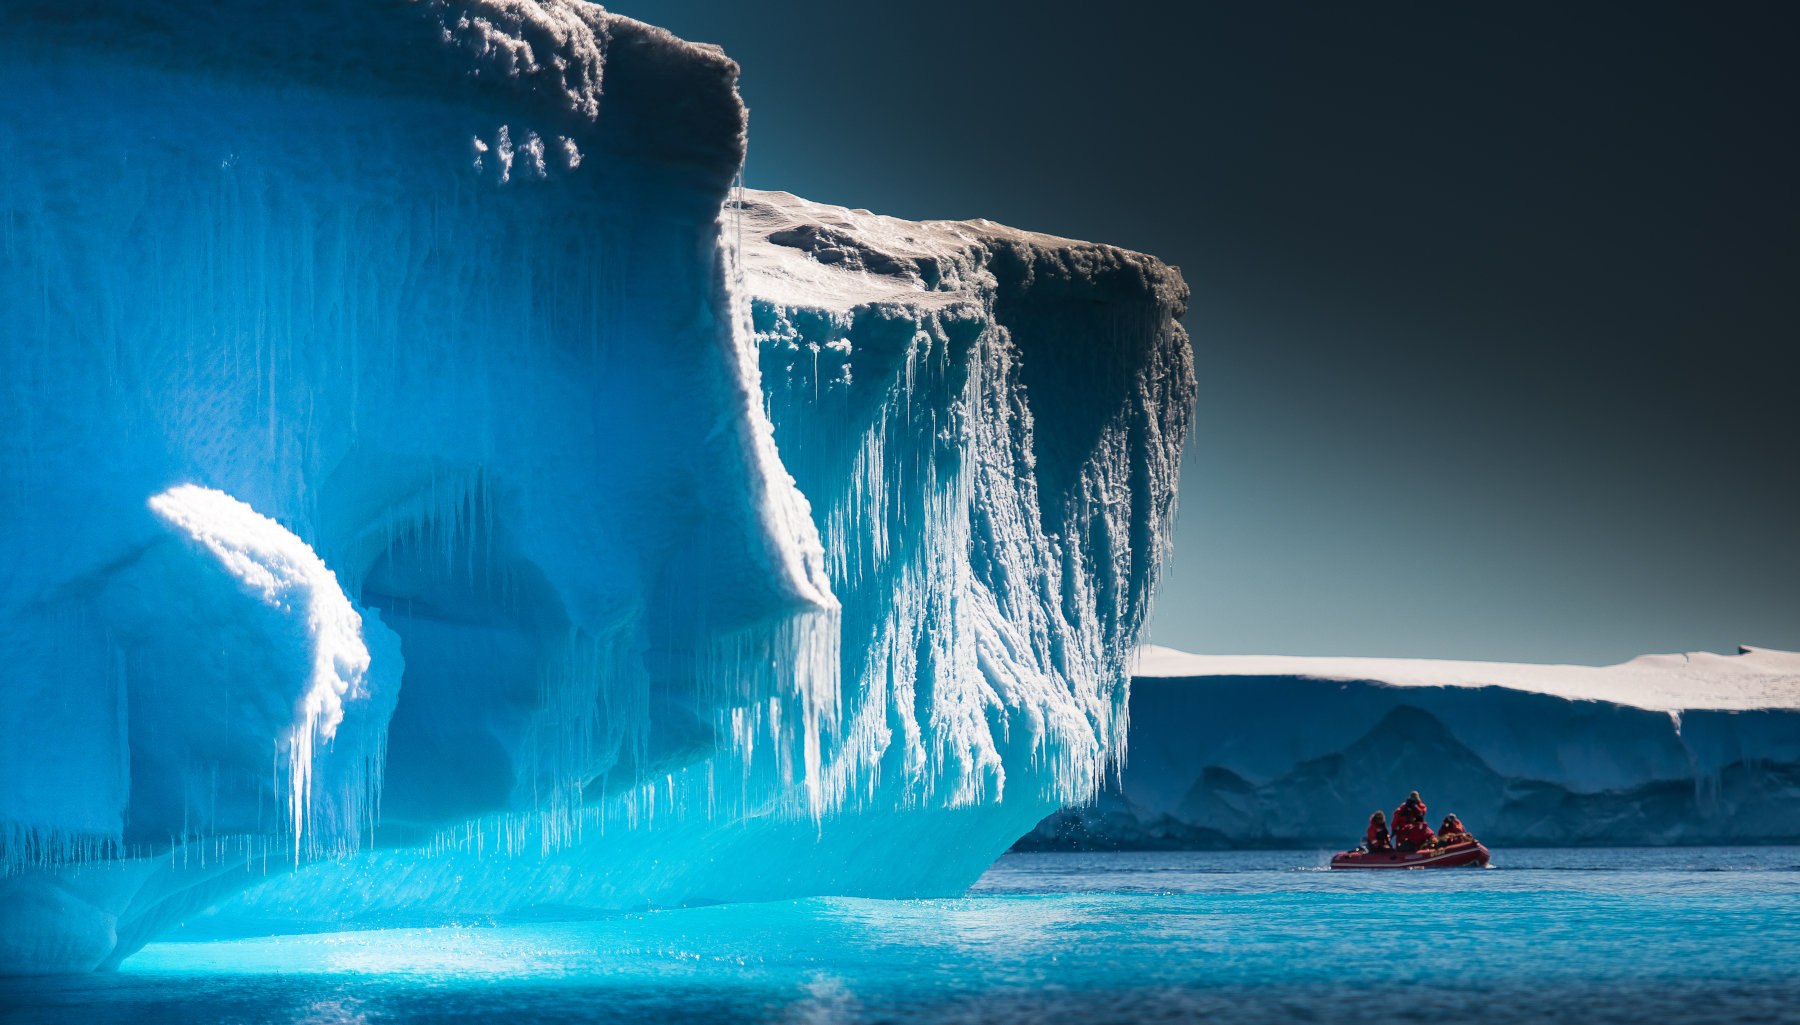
point(282, 572)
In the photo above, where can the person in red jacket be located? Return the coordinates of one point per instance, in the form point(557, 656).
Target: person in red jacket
point(1411, 810)
point(1410, 830)
point(1376, 839)
point(1452, 830)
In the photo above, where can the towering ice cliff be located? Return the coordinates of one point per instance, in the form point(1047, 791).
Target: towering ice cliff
point(427, 487)
point(1253, 751)
point(988, 424)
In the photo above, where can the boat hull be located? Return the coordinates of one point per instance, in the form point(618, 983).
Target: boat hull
point(1469, 854)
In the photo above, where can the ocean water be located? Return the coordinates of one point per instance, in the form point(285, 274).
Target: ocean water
point(1590, 936)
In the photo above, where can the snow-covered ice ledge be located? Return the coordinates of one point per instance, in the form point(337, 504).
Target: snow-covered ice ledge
point(1295, 751)
point(428, 488)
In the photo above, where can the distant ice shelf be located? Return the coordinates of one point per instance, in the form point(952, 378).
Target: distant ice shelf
point(431, 488)
point(1249, 751)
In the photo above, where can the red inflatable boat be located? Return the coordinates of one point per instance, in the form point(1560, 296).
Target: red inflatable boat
point(1458, 855)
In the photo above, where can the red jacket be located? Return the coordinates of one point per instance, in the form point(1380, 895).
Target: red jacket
point(1408, 812)
point(1414, 834)
point(1377, 837)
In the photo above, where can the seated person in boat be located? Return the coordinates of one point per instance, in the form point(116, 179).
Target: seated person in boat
point(1376, 839)
point(1452, 831)
point(1411, 833)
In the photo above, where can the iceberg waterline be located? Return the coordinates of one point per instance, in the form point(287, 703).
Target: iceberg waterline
point(418, 463)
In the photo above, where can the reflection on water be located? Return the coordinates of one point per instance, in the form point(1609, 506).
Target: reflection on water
point(1552, 935)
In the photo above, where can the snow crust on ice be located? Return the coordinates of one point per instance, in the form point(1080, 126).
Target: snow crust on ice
point(1753, 678)
point(431, 489)
point(277, 570)
point(1262, 750)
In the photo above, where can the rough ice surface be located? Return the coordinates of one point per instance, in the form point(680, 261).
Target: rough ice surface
point(986, 422)
point(430, 489)
point(1258, 751)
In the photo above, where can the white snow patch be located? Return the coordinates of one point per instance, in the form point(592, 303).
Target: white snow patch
point(1754, 678)
point(571, 153)
point(558, 45)
point(284, 574)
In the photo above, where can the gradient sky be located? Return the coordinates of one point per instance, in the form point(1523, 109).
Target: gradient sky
point(1496, 309)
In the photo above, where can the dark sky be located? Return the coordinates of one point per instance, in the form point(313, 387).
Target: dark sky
point(1496, 308)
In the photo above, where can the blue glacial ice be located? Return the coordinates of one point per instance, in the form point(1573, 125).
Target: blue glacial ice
point(1277, 751)
point(431, 488)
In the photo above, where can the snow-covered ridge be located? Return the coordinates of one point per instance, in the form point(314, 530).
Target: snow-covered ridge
point(1263, 750)
point(833, 258)
point(1753, 678)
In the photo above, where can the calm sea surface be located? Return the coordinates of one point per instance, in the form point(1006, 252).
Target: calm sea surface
point(1688, 935)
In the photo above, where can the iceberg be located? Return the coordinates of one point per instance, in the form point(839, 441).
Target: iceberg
point(1266, 751)
point(433, 487)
